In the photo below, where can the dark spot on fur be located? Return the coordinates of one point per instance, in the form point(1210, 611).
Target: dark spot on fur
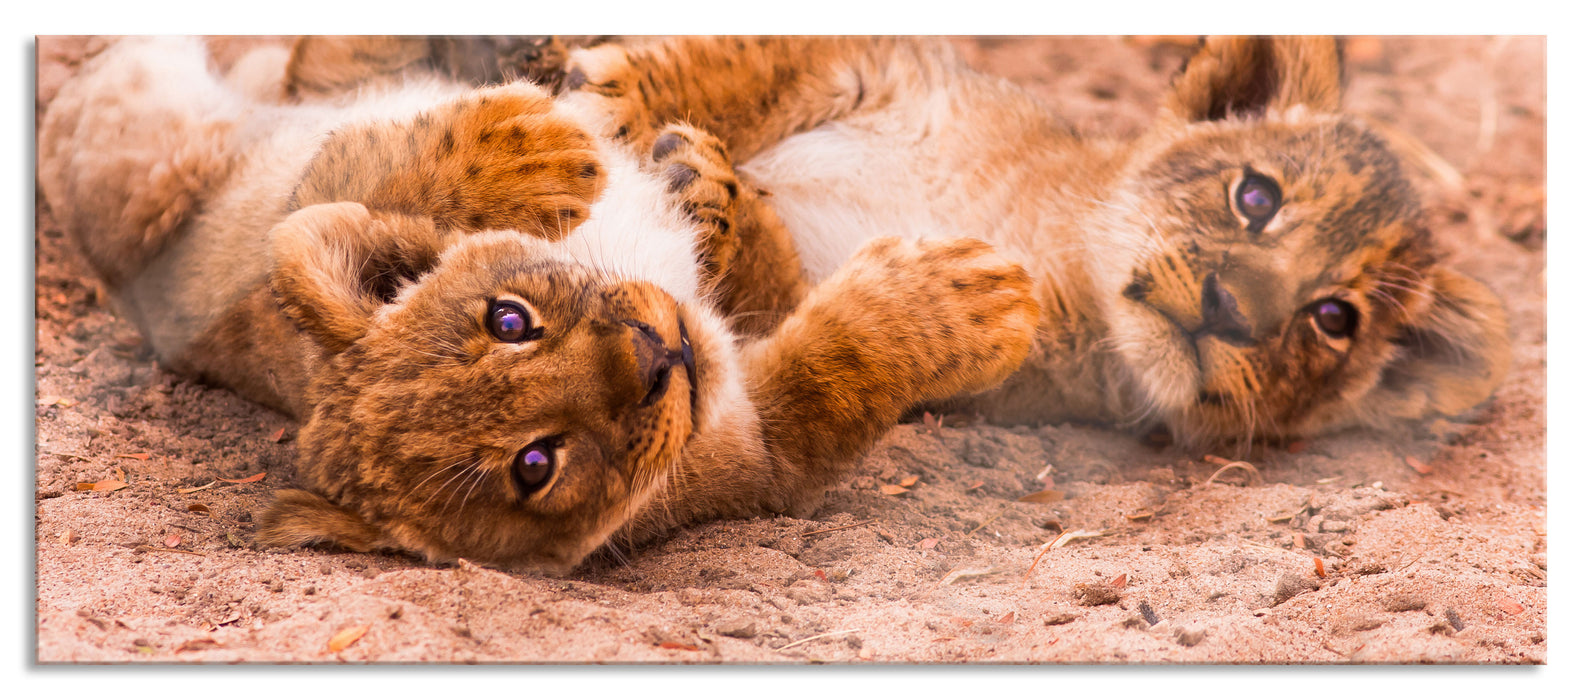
point(576, 78)
point(590, 171)
point(1140, 287)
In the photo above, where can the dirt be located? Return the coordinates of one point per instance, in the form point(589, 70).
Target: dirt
point(1359, 547)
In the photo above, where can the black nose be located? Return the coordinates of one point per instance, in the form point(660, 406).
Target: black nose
point(654, 361)
point(1221, 317)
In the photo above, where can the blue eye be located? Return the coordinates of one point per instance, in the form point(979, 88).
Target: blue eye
point(533, 467)
point(1258, 198)
point(510, 323)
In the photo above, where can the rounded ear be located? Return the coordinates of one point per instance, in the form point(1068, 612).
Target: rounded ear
point(298, 518)
point(1251, 76)
point(334, 265)
point(1452, 354)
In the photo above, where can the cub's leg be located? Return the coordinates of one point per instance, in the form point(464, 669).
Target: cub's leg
point(751, 92)
point(325, 66)
point(746, 252)
point(497, 158)
point(844, 366)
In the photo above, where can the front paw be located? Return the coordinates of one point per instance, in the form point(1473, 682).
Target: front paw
point(698, 172)
point(497, 158)
point(949, 316)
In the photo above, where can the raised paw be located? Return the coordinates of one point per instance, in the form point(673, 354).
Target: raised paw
point(698, 172)
point(498, 158)
point(946, 317)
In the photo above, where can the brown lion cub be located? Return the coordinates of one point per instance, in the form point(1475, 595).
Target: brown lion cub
point(1251, 267)
point(494, 326)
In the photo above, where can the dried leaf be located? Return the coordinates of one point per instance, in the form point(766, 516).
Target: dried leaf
point(84, 486)
point(1221, 461)
point(1053, 525)
point(57, 401)
point(909, 481)
point(174, 540)
point(892, 490)
point(975, 486)
point(120, 474)
point(1298, 541)
point(1417, 465)
point(1118, 581)
point(1510, 606)
point(1139, 515)
point(142, 456)
point(677, 645)
point(106, 485)
point(1318, 567)
point(199, 508)
point(1044, 496)
point(821, 576)
point(278, 436)
point(346, 638)
point(1009, 618)
point(256, 477)
point(195, 489)
point(928, 544)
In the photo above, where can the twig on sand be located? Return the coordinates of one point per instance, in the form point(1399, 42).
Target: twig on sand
point(1061, 541)
point(991, 519)
point(842, 527)
point(1244, 466)
point(816, 636)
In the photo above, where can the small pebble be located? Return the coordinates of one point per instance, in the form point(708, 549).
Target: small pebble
point(738, 627)
point(1292, 585)
point(1404, 602)
point(1190, 636)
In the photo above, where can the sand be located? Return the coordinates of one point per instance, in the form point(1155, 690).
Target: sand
point(1352, 548)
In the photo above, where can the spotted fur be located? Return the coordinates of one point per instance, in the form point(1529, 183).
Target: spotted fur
point(1161, 300)
point(340, 257)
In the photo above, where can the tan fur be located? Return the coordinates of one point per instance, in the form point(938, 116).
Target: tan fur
point(343, 259)
point(1161, 299)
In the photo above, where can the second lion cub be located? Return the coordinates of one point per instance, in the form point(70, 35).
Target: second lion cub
point(1253, 266)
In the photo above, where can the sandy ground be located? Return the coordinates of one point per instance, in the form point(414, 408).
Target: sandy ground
point(1433, 547)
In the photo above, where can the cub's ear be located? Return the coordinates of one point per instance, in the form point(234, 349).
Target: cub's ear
point(299, 518)
point(1452, 354)
point(1251, 76)
point(334, 265)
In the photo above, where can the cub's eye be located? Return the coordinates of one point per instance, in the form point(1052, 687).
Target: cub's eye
point(510, 323)
point(1335, 318)
point(1257, 198)
point(533, 467)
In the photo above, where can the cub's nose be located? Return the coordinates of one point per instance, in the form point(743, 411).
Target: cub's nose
point(1222, 317)
point(655, 361)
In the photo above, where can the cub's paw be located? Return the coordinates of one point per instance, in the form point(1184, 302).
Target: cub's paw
point(498, 158)
point(950, 315)
point(603, 81)
point(696, 169)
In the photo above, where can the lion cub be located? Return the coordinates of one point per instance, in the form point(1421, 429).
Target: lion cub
point(1252, 267)
point(494, 325)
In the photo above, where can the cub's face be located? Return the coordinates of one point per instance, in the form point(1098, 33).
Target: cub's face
point(508, 405)
point(1267, 278)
